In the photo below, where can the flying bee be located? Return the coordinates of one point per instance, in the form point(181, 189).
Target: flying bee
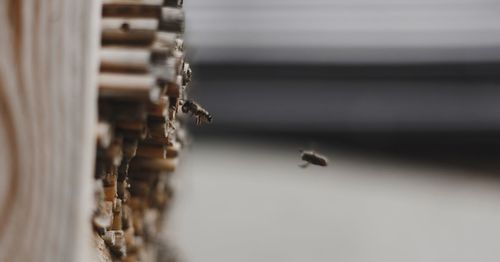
point(201, 115)
point(312, 157)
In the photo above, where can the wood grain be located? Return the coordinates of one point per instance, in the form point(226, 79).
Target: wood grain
point(48, 70)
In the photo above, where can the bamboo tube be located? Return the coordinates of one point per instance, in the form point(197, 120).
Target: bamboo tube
point(155, 94)
point(107, 210)
point(127, 86)
point(130, 257)
point(119, 248)
point(129, 151)
point(133, 2)
point(143, 175)
point(130, 239)
point(132, 125)
point(100, 166)
point(133, 129)
point(114, 152)
point(174, 89)
point(166, 40)
point(157, 130)
point(137, 59)
point(125, 83)
point(179, 44)
point(116, 34)
point(125, 59)
point(117, 215)
point(158, 110)
point(133, 30)
point(158, 119)
point(103, 253)
point(173, 3)
point(109, 238)
point(129, 148)
point(129, 30)
point(140, 188)
point(128, 24)
point(151, 151)
point(172, 19)
point(98, 193)
point(110, 192)
point(141, 163)
point(179, 55)
point(137, 11)
point(127, 217)
point(108, 157)
point(179, 85)
point(138, 206)
point(116, 110)
point(166, 72)
point(174, 106)
point(104, 219)
point(157, 141)
point(104, 134)
point(122, 186)
point(173, 150)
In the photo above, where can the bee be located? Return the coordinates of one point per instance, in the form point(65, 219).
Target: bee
point(312, 157)
point(201, 115)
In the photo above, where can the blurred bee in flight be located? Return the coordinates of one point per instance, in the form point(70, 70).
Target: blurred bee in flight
point(311, 157)
point(201, 115)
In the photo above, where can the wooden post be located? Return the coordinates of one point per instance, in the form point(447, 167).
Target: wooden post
point(48, 103)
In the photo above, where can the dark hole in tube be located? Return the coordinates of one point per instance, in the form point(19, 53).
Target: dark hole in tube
point(125, 27)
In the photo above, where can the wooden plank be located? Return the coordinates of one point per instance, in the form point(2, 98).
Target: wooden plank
point(48, 93)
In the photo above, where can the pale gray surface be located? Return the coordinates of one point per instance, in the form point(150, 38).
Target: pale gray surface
point(344, 31)
point(241, 202)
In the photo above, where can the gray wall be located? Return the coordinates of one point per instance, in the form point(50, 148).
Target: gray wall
point(330, 65)
point(344, 31)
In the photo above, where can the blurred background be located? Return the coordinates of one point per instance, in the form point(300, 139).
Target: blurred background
point(402, 95)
